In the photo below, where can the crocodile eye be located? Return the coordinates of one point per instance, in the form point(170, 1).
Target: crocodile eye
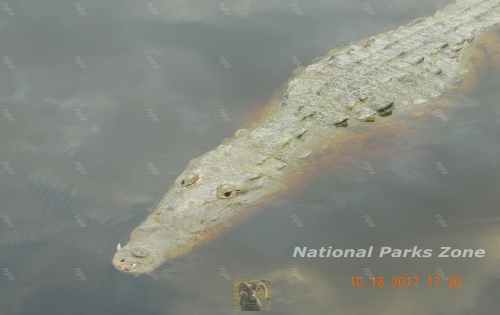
point(189, 180)
point(228, 191)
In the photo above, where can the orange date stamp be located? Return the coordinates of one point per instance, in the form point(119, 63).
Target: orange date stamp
point(405, 281)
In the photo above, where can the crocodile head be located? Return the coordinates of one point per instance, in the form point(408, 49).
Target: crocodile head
point(213, 190)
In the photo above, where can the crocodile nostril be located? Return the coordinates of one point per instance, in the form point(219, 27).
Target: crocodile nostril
point(140, 252)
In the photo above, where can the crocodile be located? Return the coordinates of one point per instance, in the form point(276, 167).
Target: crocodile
point(350, 86)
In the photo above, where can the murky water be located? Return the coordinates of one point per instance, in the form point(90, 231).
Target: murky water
point(104, 102)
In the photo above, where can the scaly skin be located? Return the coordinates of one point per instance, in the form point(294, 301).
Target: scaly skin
point(403, 69)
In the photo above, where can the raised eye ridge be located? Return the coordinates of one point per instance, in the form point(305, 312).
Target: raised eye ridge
point(189, 180)
point(226, 191)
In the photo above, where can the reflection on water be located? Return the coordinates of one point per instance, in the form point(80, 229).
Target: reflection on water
point(103, 103)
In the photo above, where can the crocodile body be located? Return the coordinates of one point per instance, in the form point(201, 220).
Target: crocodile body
point(356, 84)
